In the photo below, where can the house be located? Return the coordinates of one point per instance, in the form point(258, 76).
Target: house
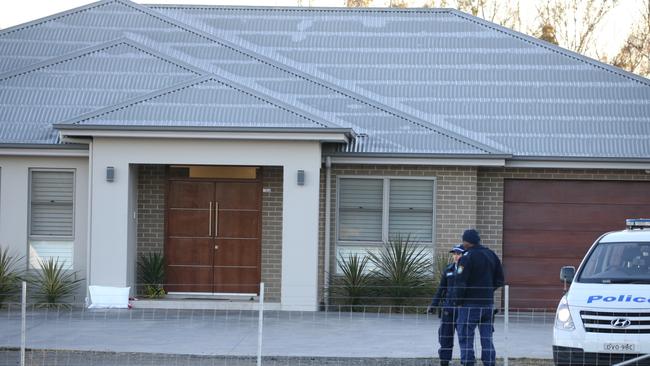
point(255, 144)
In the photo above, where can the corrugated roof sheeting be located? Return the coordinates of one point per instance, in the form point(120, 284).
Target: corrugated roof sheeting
point(31, 100)
point(204, 103)
point(454, 71)
point(409, 81)
point(265, 77)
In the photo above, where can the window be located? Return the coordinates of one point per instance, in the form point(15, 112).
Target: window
point(51, 216)
point(411, 209)
point(360, 209)
point(372, 210)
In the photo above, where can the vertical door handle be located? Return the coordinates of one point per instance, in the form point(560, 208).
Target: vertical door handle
point(216, 219)
point(210, 221)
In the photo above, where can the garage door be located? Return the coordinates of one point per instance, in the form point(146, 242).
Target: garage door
point(550, 223)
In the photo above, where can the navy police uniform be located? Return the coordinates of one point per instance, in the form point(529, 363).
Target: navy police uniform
point(478, 274)
point(445, 298)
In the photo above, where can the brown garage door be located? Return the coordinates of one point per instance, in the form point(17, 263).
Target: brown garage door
point(550, 223)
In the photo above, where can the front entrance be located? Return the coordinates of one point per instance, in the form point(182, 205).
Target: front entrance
point(213, 235)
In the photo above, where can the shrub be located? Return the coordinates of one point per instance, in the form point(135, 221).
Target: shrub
point(402, 269)
point(355, 281)
point(53, 284)
point(152, 275)
point(10, 276)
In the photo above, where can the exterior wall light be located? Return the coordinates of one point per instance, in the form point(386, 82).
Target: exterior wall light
point(110, 174)
point(300, 178)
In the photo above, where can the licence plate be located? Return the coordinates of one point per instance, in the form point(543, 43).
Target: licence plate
point(619, 347)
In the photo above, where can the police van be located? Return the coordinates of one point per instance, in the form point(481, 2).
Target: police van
point(604, 317)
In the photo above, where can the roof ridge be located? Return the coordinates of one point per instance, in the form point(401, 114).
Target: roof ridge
point(188, 84)
point(55, 16)
point(311, 78)
point(332, 9)
point(551, 47)
point(94, 49)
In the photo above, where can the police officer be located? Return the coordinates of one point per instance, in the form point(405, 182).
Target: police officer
point(478, 275)
point(445, 298)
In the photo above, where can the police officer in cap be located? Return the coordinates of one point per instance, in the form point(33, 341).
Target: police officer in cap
point(478, 275)
point(445, 298)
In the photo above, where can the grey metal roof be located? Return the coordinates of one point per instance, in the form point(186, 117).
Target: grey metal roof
point(515, 93)
point(33, 98)
point(111, 19)
point(203, 102)
point(407, 81)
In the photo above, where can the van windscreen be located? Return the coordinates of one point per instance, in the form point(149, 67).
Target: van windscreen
point(617, 263)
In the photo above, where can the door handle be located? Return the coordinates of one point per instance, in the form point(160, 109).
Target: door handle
point(216, 219)
point(210, 221)
point(216, 247)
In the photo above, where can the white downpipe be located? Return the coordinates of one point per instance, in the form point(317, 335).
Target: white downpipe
point(90, 218)
point(260, 325)
point(506, 321)
point(328, 223)
point(23, 324)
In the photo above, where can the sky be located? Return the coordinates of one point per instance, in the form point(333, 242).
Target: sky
point(14, 12)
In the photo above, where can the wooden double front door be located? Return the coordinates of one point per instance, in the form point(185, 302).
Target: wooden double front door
point(213, 236)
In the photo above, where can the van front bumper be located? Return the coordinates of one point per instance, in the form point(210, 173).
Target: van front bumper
point(568, 356)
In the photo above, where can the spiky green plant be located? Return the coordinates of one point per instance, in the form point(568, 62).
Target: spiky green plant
point(151, 274)
point(441, 260)
point(53, 284)
point(10, 276)
point(402, 268)
point(355, 282)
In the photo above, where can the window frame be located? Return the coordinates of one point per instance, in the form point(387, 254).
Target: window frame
point(385, 207)
point(50, 238)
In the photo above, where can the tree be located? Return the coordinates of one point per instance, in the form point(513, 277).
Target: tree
point(399, 4)
point(357, 3)
point(634, 55)
point(548, 34)
point(572, 23)
point(505, 13)
point(502, 12)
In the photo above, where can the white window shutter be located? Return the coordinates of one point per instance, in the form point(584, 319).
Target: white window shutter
point(411, 209)
point(360, 209)
point(52, 203)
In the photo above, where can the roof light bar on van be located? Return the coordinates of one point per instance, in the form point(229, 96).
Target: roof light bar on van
point(637, 223)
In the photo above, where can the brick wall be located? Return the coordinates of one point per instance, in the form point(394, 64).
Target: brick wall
point(151, 209)
point(490, 193)
point(272, 232)
point(151, 221)
point(455, 210)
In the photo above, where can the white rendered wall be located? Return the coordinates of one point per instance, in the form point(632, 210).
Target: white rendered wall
point(112, 215)
point(14, 203)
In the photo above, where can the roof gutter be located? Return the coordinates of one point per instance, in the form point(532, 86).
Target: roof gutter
point(45, 150)
point(334, 135)
point(491, 160)
point(579, 162)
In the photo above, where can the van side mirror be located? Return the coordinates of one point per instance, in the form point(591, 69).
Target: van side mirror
point(567, 273)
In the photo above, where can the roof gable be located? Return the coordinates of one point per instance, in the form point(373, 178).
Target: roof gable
point(36, 97)
point(204, 102)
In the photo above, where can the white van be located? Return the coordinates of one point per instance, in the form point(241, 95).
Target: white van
point(604, 317)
